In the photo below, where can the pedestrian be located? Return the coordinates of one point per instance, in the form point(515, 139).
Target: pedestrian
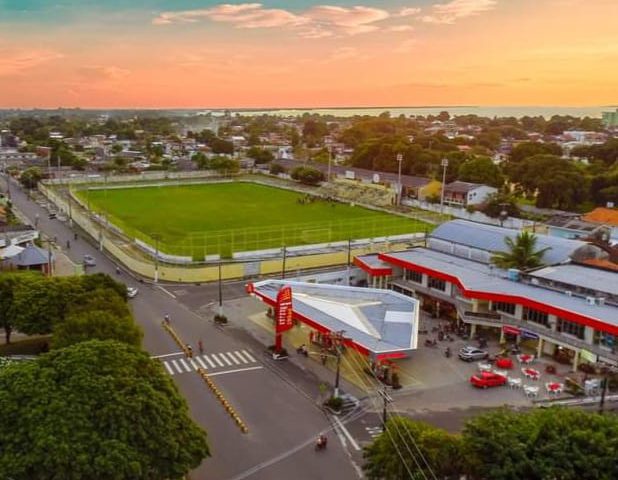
point(189, 351)
point(166, 318)
point(75, 236)
point(200, 345)
point(68, 245)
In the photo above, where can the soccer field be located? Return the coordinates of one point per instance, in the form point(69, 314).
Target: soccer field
point(207, 219)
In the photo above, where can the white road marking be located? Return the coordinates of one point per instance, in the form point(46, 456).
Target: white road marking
point(242, 359)
point(347, 434)
point(249, 356)
point(216, 359)
point(193, 364)
point(201, 362)
point(184, 364)
point(225, 359)
point(176, 366)
point(167, 355)
point(248, 369)
point(168, 368)
point(210, 362)
point(166, 291)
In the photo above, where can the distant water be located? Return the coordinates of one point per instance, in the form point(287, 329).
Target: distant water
point(518, 112)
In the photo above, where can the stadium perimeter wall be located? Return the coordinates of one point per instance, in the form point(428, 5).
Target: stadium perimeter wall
point(121, 250)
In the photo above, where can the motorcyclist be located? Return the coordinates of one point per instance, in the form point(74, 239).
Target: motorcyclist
point(322, 440)
point(447, 352)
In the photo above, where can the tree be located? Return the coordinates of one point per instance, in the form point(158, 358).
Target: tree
point(556, 443)
point(481, 170)
point(7, 313)
point(529, 149)
point(201, 160)
point(98, 409)
point(96, 324)
point(260, 155)
point(392, 455)
point(219, 146)
point(307, 175)
point(276, 169)
point(30, 177)
point(498, 203)
point(223, 165)
point(313, 131)
point(521, 253)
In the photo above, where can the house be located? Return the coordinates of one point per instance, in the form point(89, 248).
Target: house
point(574, 227)
point(32, 258)
point(464, 193)
point(605, 216)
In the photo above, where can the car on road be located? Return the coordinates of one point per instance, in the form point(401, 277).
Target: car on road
point(89, 261)
point(469, 354)
point(132, 292)
point(487, 379)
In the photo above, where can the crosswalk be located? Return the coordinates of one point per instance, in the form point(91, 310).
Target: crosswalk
point(210, 361)
point(374, 432)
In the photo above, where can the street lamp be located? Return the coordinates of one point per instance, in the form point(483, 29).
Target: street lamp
point(444, 164)
point(504, 214)
point(220, 292)
point(156, 238)
point(399, 186)
point(330, 156)
point(339, 341)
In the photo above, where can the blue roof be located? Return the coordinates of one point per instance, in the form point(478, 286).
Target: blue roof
point(31, 256)
point(491, 238)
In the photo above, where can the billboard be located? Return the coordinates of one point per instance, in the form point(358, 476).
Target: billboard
point(284, 310)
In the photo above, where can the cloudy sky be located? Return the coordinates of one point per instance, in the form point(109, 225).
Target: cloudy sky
point(276, 53)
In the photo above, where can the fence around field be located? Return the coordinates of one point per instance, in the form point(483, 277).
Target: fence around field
point(123, 249)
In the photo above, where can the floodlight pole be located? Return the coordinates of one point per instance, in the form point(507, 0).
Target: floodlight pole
point(444, 166)
point(156, 275)
point(339, 341)
point(399, 186)
point(330, 155)
point(220, 292)
point(349, 258)
point(283, 263)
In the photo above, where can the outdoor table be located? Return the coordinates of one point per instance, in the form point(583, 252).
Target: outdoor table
point(500, 372)
point(514, 382)
point(531, 390)
point(505, 363)
point(554, 387)
point(525, 358)
point(484, 367)
point(531, 373)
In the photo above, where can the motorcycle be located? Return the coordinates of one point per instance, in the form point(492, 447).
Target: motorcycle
point(321, 443)
point(447, 352)
point(431, 343)
point(302, 350)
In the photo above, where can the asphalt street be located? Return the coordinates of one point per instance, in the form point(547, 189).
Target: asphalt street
point(283, 420)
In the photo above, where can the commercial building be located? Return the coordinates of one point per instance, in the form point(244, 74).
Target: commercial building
point(565, 309)
point(380, 324)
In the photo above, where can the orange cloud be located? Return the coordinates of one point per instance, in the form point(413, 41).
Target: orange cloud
point(15, 61)
point(456, 9)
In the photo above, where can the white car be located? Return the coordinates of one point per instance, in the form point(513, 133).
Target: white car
point(132, 292)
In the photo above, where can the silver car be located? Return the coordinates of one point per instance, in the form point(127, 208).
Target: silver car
point(89, 261)
point(469, 354)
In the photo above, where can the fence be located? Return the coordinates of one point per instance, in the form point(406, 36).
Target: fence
point(123, 249)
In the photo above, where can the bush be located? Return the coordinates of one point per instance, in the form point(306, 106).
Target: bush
point(335, 403)
point(220, 319)
point(307, 175)
point(276, 169)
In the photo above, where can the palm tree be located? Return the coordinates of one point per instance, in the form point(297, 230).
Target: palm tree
point(521, 254)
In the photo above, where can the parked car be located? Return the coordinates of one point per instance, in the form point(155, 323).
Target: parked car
point(487, 379)
point(89, 261)
point(470, 353)
point(132, 292)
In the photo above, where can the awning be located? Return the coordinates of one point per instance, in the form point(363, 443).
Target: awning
point(10, 251)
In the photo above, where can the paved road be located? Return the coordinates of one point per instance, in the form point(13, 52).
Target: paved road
point(282, 421)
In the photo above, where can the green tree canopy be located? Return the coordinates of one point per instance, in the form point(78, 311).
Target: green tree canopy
point(95, 410)
point(481, 170)
point(30, 177)
point(556, 443)
point(96, 324)
point(529, 149)
point(260, 155)
point(390, 456)
point(521, 253)
point(307, 175)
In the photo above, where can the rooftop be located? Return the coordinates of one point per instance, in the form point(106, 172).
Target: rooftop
point(491, 238)
point(479, 279)
point(461, 187)
point(381, 321)
point(596, 279)
point(608, 216)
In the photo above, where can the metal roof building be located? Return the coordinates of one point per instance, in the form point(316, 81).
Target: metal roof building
point(379, 323)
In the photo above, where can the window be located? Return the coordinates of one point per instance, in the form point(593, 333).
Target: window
point(504, 307)
point(571, 328)
point(535, 316)
point(416, 277)
point(437, 284)
point(605, 339)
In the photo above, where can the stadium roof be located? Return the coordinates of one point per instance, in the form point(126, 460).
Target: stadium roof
point(482, 281)
point(491, 238)
point(381, 323)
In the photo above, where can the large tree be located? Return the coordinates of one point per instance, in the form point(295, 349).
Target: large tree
point(521, 252)
point(410, 449)
point(556, 443)
point(30, 177)
point(307, 175)
point(96, 324)
point(99, 409)
point(481, 170)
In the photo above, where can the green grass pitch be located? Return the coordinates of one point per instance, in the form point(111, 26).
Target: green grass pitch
point(206, 219)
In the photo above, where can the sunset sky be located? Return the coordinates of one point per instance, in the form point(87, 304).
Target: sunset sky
point(303, 53)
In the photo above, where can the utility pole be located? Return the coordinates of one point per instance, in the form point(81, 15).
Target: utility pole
point(330, 155)
point(339, 342)
point(156, 237)
point(399, 186)
point(386, 399)
point(444, 166)
point(220, 292)
point(283, 263)
point(349, 258)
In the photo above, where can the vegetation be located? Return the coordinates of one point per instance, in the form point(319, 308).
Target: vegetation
point(256, 217)
point(555, 443)
point(97, 409)
point(260, 155)
point(521, 254)
point(31, 177)
point(307, 175)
